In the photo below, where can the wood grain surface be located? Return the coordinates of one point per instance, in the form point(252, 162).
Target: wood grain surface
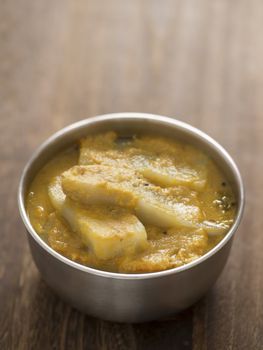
point(198, 60)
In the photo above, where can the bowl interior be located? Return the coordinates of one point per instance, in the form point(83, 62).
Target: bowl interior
point(127, 124)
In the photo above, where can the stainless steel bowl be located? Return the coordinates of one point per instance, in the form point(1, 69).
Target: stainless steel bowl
point(129, 297)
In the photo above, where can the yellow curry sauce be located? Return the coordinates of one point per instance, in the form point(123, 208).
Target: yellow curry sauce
point(131, 204)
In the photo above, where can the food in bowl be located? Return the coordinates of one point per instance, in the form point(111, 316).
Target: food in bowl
point(131, 204)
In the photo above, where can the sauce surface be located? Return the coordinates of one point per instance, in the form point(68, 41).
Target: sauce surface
point(131, 204)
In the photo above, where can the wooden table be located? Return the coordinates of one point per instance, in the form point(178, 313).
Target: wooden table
point(200, 61)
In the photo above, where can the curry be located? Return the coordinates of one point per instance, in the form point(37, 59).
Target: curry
point(132, 204)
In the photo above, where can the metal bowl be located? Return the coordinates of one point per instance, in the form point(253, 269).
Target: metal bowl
point(129, 297)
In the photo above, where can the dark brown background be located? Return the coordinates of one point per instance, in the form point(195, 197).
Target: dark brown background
point(198, 60)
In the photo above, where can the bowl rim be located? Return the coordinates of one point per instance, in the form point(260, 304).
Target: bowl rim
point(134, 115)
